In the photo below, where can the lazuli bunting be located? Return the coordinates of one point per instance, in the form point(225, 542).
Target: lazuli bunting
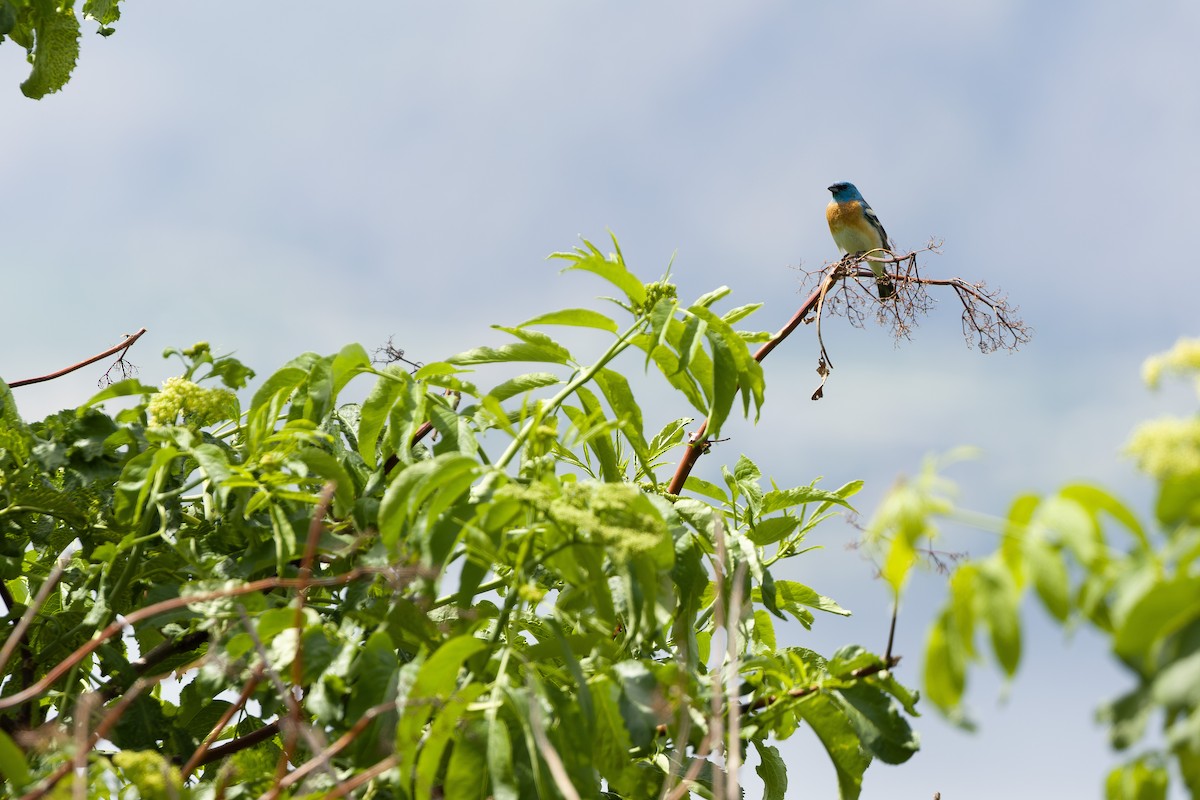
point(857, 229)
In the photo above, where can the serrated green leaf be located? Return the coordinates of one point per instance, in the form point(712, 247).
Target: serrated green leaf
point(782, 499)
point(522, 384)
point(578, 317)
point(620, 399)
point(589, 259)
point(771, 530)
point(840, 742)
point(772, 771)
point(521, 351)
point(55, 49)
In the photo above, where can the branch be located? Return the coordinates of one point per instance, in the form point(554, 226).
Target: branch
point(121, 348)
point(203, 750)
point(698, 444)
point(147, 612)
point(989, 322)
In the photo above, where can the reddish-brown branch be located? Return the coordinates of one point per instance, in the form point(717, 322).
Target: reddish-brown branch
point(987, 319)
point(118, 348)
point(241, 743)
point(378, 768)
point(198, 757)
point(296, 690)
point(343, 741)
point(698, 444)
point(141, 614)
point(87, 742)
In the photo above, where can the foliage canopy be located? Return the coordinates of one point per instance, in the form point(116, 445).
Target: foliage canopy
point(516, 609)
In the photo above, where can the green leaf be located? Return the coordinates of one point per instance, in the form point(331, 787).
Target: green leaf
point(1142, 779)
point(374, 674)
point(781, 499)
point(443, 479)
point(351, 360)
point(125, 388)
point(325, 465)
point(1177, 687)
point(8, 18)
point(1095, 500)
point(522, 384)
point(105, 12)
point(620, 398)
point(703, 487)
point(1050, 578)
point(500, 760)
point(883, 731)
point(1060, 519)
point(1178, 501)
point(13, 765)
point(55, 50)
point(467, 772)
point(999, 603)
point(668, 364)
point(392, 385)
point(748, 374)
point(764, 632)
point(612, 269)
point(595, 427)
point(1165, 607)
point(945, 665)
point(740, 313)
point(708, 298)
point(435, 681)
point(612, 741)
point(521, 351)
point(657, 325)
point(772, 530)
point(723, 387)
point(442, 732)
point(790, 594)
point(772, 771)
point(579, 317)
point(840, 740)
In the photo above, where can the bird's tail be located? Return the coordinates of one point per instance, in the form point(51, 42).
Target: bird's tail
point(885, 287)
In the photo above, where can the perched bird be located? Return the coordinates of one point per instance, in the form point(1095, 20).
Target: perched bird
point(857, 229)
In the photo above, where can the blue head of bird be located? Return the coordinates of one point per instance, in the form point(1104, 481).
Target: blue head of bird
point(844, 192)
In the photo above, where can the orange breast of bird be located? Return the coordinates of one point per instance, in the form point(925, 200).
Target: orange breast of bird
point(843, 215)
point(849, 226)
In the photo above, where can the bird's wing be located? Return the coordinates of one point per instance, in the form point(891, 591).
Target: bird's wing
point(873, 218)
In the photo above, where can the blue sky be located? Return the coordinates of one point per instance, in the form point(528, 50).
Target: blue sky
point(301, 176)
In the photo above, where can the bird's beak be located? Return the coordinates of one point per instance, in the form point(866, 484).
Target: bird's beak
point(830, 188)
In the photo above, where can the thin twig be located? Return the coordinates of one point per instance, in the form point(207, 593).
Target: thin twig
point(295, 692)
point(342, 743)
point(887, 655)
point(134, 617)
point(368, 774)
point(124, 345)
point(83, 713)
point(198, 757)
point(241, 743)
point(60, 566)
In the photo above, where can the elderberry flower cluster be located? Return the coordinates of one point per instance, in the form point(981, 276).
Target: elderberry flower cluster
point(197, 405)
